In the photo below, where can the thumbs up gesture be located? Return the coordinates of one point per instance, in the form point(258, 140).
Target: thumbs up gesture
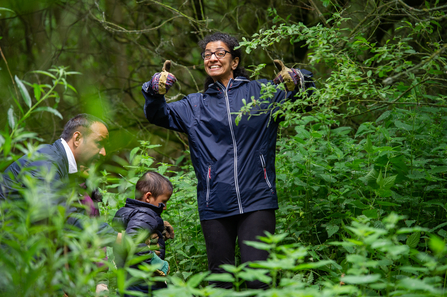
point(162, 81)
point(290, 77)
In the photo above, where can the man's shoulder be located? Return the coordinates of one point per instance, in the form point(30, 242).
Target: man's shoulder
point(51, 154)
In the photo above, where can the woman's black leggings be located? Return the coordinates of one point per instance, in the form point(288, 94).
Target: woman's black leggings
point(220, 239)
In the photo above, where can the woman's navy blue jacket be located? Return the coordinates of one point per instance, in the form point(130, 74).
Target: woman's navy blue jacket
point(234, 164)
point(137, 217)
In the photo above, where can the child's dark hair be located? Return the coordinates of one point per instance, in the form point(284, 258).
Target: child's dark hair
point(231, 42)
point(152, 182)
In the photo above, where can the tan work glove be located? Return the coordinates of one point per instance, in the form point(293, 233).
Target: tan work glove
point(168, 232)
point(161, 81)
point(290, 77)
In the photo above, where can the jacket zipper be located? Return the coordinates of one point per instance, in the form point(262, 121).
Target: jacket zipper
point(236, 181)
point(264, 168)
point(208, 178)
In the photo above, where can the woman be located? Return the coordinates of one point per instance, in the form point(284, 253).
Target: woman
point(234, 165)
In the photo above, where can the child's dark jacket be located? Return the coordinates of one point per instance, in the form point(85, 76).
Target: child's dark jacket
point(135, 217)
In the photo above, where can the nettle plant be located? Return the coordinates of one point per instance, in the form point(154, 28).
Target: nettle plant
point(391, 155)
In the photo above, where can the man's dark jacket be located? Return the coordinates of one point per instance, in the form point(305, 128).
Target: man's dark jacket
point(51, 158)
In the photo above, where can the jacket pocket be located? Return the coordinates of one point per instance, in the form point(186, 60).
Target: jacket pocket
point(264, 169)
point(208, 181)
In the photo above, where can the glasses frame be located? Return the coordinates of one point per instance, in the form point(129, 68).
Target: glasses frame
point(214, 53)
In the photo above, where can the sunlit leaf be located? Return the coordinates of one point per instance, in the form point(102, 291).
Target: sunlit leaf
point(44, 73)
point(221, 277)
point(23, 91)
point(361, 279)
point(196, 279)
point(11, 118)
point(48, 109)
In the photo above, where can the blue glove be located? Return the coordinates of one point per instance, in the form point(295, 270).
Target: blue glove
point(162, 265)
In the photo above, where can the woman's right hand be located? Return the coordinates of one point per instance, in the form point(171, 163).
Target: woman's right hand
point(162, 81)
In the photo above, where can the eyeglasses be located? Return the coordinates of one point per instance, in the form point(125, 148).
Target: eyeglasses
point(219, 54)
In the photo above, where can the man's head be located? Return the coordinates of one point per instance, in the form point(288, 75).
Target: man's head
point(153, 188)
point(86, 136)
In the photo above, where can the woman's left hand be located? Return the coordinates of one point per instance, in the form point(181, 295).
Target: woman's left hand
point(290, 77)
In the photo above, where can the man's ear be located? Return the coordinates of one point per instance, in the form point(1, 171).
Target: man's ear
point(77, 138)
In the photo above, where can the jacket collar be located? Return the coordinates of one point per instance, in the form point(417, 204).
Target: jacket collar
point(61, 150)
point(137, 203)
point(233, 83)
point(72, 166)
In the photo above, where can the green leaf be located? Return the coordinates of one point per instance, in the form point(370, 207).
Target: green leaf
point(232, 268)
point(360, 279)
point(438, 169)
point(44, 73)
point(359, 204)
point(386, 203)
point(73, 72)
point(437, 227)
point(403, 126)
point(368, 146)
point(371, 213)
point(379, 178)
point(388, 182)
point(48, 109)
point(11, 118)
point(414, 284)
point(372, 175)
point(328, 178)
point(331, 230)
point(37, 91)
point(7, 145)
point(308, 266)
point(414, 270)
point(259, 245)
point(409, 222)
point(413, 240)
point(186, 274)
point(436, 244)
point(196, 279)
point(255, 274)
point(221, 277)
point(23, 91)
point(384, 116)
point(132, 153)
point(7, 9)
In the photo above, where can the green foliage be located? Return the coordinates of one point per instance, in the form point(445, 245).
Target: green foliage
point(360, 177)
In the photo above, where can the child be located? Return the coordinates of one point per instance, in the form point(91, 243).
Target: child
point(142, 215)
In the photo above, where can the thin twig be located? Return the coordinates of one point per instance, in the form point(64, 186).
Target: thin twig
point(390, 80)
point(10, 74)
point(425, 10)
point(320, 15)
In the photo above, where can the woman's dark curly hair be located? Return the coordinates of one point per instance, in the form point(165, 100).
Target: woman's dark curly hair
point(231, 42)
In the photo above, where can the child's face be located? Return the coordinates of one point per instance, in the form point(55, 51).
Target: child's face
point(163, 198)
